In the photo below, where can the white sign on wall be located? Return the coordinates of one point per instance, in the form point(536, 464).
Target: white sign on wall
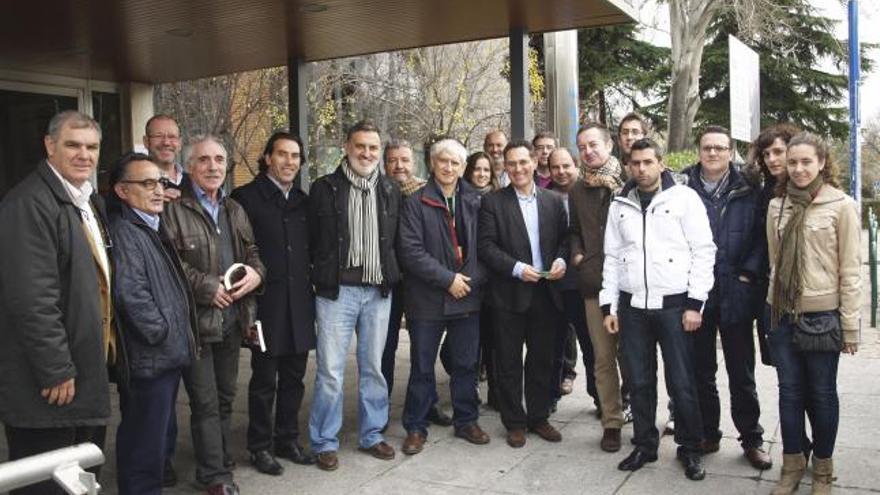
point(745, 91)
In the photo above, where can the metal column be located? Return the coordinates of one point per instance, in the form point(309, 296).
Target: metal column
point(561, 69)
point(855, 135)
point(298, 111)
point(520, 106)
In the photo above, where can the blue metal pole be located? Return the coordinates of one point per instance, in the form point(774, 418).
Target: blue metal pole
point(854, 108)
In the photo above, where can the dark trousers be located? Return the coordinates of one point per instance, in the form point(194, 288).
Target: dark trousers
point(147, 405)
point(487, 350)
point(210, 384)
point(573, 332)
point(805, 378)
point(25, 442)
point(536, 327)
point(171, 433)
point(462, 339)
point(393, 339)
point(640, 332)
point(272, 377)
point(738, 345)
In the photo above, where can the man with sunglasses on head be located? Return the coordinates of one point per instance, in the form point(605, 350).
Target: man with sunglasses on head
point(156, 313)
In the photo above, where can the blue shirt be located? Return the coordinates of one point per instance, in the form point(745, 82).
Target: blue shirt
point(213, 209)
point(151, 220)
point(528, 205)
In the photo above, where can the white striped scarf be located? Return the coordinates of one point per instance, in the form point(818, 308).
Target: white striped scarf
point(363, 224)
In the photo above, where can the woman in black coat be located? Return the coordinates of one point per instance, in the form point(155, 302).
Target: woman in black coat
point(277, 209)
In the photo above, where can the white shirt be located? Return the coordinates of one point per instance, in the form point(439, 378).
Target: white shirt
point(80, 197)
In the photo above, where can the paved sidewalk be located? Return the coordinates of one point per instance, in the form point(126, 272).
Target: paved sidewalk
point(451, 466)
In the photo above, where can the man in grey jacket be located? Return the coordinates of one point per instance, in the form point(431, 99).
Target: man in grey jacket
point(54, 301)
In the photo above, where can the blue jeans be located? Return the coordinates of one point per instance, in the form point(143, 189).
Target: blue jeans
point(462, 339)
point(805, 378)
point(640, 332)
point(364, 311)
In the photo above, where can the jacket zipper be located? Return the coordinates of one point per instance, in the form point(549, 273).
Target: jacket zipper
point(645, 252)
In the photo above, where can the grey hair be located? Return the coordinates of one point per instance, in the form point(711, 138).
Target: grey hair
point(73, 119)
point(450, 146)
point(197, 140)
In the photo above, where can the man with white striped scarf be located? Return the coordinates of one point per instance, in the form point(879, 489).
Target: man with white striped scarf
point(353, 226)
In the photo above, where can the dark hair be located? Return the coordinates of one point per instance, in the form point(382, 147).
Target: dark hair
point(715, 129)
point(637, 117)
point(159, 116)
point(361, 126)
point(766, 139)
point(394, 144)
point(472, 160)
point(829, 172)
point(606, 134)
point(519, 143)
point(544, 135)
point(119, 172)
point(270, 148)
point(647, 144)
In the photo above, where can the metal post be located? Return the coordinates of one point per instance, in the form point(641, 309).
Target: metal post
point(520, 107)
point(855, 136)
point(65, 466)
point(298, 111)
point(872, 263)
point(561, 69)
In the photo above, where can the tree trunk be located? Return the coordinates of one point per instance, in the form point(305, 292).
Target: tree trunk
point(688, 22)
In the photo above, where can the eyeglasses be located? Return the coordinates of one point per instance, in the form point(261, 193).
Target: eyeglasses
point(160, 137)
point(150, 184)
point(717, 148)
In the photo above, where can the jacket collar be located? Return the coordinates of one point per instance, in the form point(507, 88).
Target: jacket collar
point(829, 194)
point(51, 179)
point(667, 180)
point(268, 189)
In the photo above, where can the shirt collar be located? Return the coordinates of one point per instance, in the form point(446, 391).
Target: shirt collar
point(203, 196)
point(284, 192)
point(79, 195)
point(528, 197)
point(150, 219)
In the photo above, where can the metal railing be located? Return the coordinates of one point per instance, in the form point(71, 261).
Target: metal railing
point(65, 466)
point(872, 263)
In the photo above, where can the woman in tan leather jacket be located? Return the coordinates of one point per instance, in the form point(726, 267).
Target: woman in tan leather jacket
point(813, 239)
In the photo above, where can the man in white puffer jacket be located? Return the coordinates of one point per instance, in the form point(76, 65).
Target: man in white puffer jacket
point(658, 272)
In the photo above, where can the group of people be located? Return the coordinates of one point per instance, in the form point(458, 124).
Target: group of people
point(523, 244)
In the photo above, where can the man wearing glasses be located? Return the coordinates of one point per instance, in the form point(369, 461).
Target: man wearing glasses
point(162, 140)
point(632, 127)
point(732, 204)
point(156, 311)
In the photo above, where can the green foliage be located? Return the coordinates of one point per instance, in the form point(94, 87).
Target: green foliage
point(614, 64)
point(680, 159)
point(794, 86)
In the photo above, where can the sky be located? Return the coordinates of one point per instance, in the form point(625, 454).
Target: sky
point(656, 18)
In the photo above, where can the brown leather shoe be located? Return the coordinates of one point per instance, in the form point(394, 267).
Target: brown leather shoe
point(380, 450)
point(710, 446)
point(546, 431)
point(758, 458)
point(516, 437)
point(610, 440)
point(327, 461)
point(413, 443)
point(473, 434)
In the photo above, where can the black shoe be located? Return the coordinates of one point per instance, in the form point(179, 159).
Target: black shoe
point(693, 465)
point(295, 453)
point(636, 460)
point(169, 475)
point(438, 417)
point(263, 461)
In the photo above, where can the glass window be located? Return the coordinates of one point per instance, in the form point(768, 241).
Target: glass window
point(23, 121)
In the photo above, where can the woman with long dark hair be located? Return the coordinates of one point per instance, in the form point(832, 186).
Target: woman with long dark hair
point(813, 233)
